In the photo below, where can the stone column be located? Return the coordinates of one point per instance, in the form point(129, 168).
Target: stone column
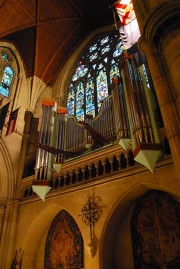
point(2, 213)
point(159, 29)
point(11, 233)
point(5, 235)
point(166, 102)
point(27, 118)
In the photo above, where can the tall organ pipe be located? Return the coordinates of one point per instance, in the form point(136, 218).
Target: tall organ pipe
point(141, 125)
point(120, 109)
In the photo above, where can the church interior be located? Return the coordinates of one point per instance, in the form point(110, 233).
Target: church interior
point(89, 134)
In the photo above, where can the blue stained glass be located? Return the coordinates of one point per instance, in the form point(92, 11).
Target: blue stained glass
point(75, 77)
point(80, 102)
point(80, 72)
point(94, 47)
point(5, 56)
point(93, 56)
point(105, 49)
point(6, 81)
point(100, 66)
point(90, 108)
point(102, 87)
point(4, 91)
point(146, 76)
point(71, 102)
point(114, 71)
point(118, 51)
point(104, 40)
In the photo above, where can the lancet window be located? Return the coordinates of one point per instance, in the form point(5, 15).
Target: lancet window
point(6, 73)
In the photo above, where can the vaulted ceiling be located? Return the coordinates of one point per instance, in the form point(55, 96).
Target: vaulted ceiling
point(46, 32)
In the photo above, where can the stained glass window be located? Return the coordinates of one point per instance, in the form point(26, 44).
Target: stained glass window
point(6, 81)
point(71, 101)
point(102, 87)
point(91, 80)
point(80, 101)
point(7, 67)
point(90, 107)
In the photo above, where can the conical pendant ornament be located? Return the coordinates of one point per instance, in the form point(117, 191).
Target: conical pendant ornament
point(124, 143)
point(57, 166)
point(147, 155)
point(41, 188)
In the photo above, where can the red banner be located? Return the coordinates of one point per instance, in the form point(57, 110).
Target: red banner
point(12, 122)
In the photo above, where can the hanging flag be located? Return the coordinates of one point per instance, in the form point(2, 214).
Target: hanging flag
point(12, 122)
point(129, 34)
point(3, 114)
point(125, 11)
point(62, 110)
point(128, 28)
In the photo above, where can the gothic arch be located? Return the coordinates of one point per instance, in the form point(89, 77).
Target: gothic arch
point(116, 242)
point(37, 234)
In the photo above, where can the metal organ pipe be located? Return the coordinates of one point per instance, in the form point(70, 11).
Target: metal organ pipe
point(142, 128)
point(120, 109)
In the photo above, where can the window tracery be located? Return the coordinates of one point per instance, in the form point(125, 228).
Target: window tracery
point(90, 82)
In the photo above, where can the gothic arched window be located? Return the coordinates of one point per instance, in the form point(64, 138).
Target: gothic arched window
point(90, 82)
point(6, 74)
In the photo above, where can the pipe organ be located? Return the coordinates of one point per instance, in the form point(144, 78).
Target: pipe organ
point(147, 149)
point(62, 136)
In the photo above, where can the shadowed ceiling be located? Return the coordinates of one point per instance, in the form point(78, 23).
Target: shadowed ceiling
point(46, 32)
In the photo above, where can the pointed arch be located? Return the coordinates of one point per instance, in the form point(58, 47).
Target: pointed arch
point(116, 249)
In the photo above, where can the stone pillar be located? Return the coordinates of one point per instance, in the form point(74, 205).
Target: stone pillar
point(12, 233)
point(27, 118)
point(166, 103)
point(5, 235)
point(158, 22)
point(2, 213)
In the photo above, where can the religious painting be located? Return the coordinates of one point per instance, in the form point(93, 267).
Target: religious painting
point(64, 244)
point(156, 232)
